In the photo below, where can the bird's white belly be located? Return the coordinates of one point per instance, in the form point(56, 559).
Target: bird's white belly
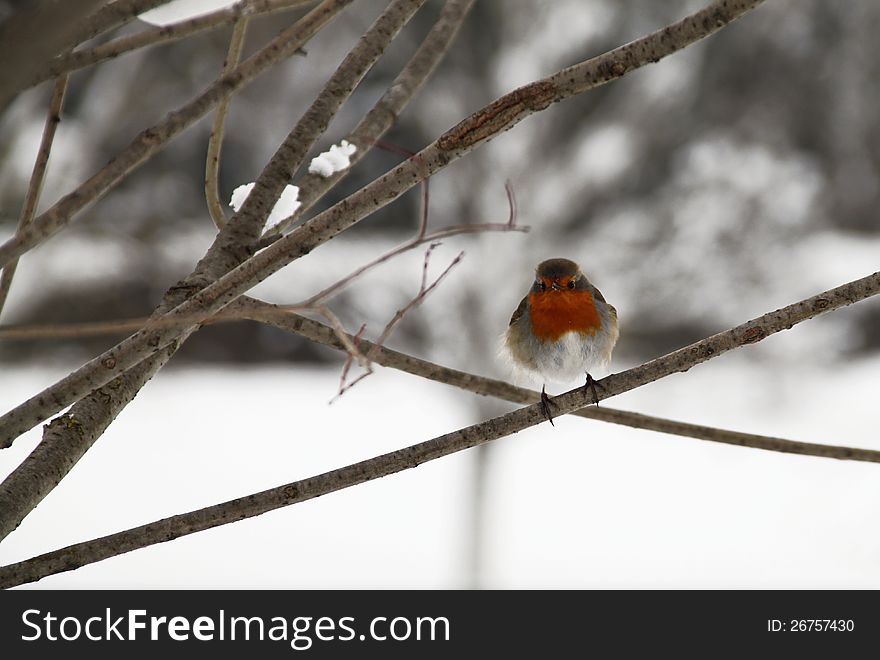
point(571, 356)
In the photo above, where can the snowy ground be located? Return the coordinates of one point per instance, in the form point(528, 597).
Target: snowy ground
point(584, 504)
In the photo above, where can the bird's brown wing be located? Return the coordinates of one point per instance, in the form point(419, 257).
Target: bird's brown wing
point(517, 315)
point(598, 294)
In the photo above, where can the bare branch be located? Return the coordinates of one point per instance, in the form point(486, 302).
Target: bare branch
point(349, 360)
point(38, 175)
point(215, 141)
point(152, 139)
point(80, 59)
point(418, 299)
point(349, 345)
point(420, 238)
point(256, 504)
point(424, 290)
point(256, 310)
point(69, 330)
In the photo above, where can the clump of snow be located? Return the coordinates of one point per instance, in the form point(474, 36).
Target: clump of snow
point(181, 10)
point(239, 195)
point(338, 158)
point(286, 205)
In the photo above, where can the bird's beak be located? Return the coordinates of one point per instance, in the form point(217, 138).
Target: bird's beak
point(555, 286)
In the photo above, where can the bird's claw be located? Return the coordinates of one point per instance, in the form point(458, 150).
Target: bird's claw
point(591, 386)
point(546, 402)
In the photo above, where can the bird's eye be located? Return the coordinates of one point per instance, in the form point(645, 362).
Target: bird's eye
point(571, 284)
point(541, 285)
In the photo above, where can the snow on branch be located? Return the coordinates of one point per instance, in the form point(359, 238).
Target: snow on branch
point(336, 159)
point(286, 205)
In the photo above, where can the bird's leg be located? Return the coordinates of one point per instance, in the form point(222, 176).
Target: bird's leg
point(545, 405)
point(591, 385)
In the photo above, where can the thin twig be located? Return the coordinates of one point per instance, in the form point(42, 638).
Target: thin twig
point(348, 344)
point(420, 238)
point(350, 357)
point(215, 141)
point(152, 139)
point(424, 290)
point(256, 504)
point(80, 59)
point(418, 299)
point(38, 176)
point(479, 127)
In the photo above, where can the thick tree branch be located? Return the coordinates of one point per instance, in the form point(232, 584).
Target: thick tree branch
point(152, 139)
point(683, 359)
point(478, 128)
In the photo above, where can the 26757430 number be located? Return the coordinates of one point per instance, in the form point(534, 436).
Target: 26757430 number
point(821, 625)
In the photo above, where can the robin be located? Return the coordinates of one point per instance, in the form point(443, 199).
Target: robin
point(561, 329)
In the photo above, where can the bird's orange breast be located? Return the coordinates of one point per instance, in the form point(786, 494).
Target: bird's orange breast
point(556, 312)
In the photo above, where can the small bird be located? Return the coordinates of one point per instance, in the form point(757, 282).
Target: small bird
point(561, 329)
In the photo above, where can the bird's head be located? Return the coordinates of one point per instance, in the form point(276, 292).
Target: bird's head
point(558, 276)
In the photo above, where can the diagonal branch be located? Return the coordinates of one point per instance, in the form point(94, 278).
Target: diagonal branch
point(420, 238)
point(423, 292)
point(35, 187)
point(473, 131)
point(256, 504)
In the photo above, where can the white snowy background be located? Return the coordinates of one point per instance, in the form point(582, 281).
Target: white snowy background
point(732, 235)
